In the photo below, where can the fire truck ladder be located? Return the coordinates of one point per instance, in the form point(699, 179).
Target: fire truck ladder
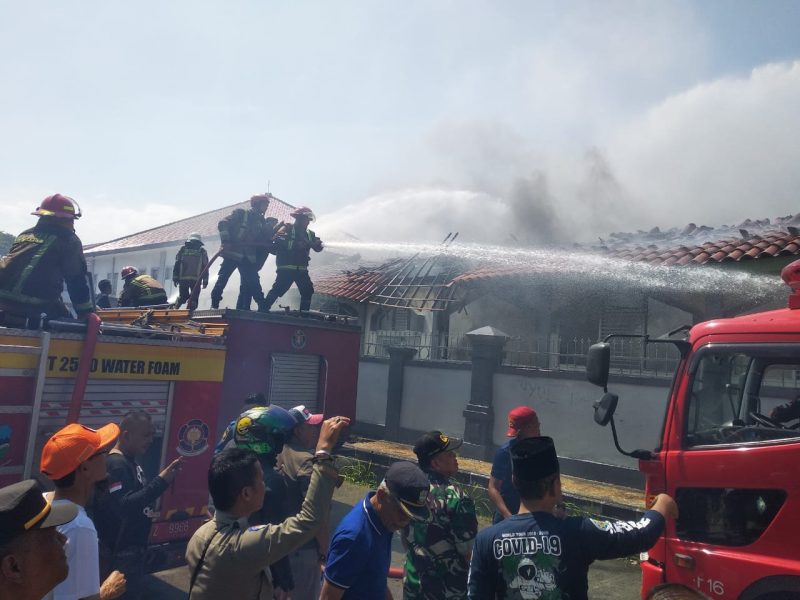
point(42, 350)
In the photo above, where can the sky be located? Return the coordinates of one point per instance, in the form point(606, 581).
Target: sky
point(546, 121)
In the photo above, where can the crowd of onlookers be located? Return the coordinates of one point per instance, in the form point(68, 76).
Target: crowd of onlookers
point(271, 482)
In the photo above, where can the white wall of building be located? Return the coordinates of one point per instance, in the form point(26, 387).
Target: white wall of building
point(158, 262)
point(434, 395)
point(373, 382)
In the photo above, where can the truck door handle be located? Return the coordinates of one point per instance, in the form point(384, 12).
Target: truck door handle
point(683, 560)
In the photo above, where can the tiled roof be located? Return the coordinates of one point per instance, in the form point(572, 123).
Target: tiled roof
point(419, 282)
point(205, 224)
point(358, 285)
point(751, 246)
point(369, 283)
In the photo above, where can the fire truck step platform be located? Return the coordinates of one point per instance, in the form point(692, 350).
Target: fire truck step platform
point(593, 497)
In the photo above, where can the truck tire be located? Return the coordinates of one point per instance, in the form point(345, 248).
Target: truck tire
point(674, 591)
point(773, 588)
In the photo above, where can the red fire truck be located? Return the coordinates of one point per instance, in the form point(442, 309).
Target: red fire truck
point(190, 375)
point(732, 469)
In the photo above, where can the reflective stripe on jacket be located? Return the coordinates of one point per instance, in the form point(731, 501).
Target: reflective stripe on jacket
point(40, 261)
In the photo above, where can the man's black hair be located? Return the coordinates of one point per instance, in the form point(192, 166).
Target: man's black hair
point(104, 284)
point(256, 399)
point(66, 481)
point(133, 416)
point(534, 490)
point(230, 472)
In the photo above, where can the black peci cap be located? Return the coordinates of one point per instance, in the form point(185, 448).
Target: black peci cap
point(409, 486)
point(534, 458)
point(23, 508)
point(433, 443)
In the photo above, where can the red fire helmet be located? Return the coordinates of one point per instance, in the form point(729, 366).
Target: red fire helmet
point(62, 207)
point(129, 272)
point(303, 211)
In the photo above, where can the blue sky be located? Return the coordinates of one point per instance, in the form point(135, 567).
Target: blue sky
point(403, 119)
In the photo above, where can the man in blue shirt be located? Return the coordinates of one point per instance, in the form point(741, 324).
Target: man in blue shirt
point(523, 423)
point(535, 554)
point(361, 548)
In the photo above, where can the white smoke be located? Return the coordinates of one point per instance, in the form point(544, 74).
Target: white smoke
point(717, 153)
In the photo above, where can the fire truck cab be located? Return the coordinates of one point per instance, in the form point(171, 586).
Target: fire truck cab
point(731, 467)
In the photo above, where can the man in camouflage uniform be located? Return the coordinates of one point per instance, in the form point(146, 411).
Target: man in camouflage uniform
point(438, 551)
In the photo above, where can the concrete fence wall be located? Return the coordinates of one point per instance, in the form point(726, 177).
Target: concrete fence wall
point(435, 395)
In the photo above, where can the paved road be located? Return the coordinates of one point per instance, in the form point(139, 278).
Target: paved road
point(616, 579)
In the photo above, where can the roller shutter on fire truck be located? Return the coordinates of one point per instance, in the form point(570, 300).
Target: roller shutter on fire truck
point(294, 380)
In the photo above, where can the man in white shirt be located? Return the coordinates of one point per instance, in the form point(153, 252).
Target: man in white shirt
point(74, 458)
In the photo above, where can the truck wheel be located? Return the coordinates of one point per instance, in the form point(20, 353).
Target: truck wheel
point(777, 587)
point(674, 591)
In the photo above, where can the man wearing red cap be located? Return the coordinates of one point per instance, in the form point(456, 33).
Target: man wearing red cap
point(41, 260)
point(74, 459)
point(523, 423)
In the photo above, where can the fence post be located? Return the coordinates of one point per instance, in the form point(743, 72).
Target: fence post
point(398, 356)
point(487, 354)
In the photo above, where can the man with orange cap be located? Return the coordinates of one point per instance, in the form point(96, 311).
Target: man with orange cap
point(40, 261)
point(74, 459)
point(293, 244)
point(523, 423)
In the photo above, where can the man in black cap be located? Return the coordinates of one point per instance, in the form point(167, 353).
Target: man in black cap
point(534, 554)
point(361, 548)
point(438, 551)
point(32, 558)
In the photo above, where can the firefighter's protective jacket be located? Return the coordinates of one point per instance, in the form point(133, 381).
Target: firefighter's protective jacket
point(246, 234)
point(142, 290)
point(293, 247)
point(190, 261)
point(40, 261)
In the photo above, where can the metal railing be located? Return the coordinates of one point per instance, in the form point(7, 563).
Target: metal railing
point(628, 356)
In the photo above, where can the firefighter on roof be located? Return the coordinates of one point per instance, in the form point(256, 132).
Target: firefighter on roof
point(293, 244)
point(246, 238)
point(140, 290)
point(190, 262)
point(40, 261)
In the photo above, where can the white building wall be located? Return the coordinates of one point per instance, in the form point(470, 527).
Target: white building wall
point(435, 398)
point(373, 382)
point(161, 260)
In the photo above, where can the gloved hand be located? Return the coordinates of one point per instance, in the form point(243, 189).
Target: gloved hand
point(175, 282)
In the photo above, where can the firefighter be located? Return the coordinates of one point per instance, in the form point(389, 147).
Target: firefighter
point(293, 243)
point(190, 262)
point(245, 295)
point(40, 261)
point(245, 237)
point(104, 299)
point(140, 290)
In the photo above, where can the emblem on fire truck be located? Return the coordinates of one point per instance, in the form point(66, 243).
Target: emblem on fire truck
point(192, 438)
point(299, 339)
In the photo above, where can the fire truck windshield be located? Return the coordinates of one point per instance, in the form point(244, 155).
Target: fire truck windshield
point(743, 394)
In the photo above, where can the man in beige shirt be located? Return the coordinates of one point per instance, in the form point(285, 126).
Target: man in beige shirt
point(229, 559)
point(296, 463)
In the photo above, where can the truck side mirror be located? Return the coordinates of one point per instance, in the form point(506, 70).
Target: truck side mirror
point(598, 360)
point(604, 410)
